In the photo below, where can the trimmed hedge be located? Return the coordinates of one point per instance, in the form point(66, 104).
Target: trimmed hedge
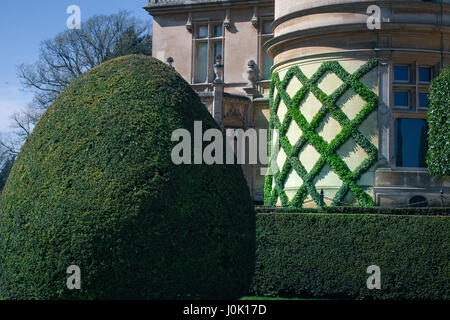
point(326, 255)
point(427, 211)
point(94, 186)
point(438, 156)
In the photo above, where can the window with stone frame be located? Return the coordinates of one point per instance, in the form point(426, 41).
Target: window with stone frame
point(410, 142)
point(265, 62)
point(410, 85)
point(208, 44)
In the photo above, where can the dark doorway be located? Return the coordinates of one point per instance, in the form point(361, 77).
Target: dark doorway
point(418, 202)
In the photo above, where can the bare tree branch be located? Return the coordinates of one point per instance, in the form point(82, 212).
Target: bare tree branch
point(66, 57)
point(73, 52)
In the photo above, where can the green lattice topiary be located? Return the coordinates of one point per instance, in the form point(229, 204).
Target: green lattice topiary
point(326, 150)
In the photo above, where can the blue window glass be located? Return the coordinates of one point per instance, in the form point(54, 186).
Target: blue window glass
point(267, 27)
point(401, 98)
point(423, 100)
point(401, 73)
point(217, 30)
point(410, 142)
point(424, 74)
point(202, 62)
point(217, 52)
point(202, 32)
point(268, 63)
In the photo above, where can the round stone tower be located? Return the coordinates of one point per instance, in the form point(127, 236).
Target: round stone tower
point(349, 101)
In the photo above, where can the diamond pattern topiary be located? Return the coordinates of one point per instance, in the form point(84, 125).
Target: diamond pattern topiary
point(290, 112)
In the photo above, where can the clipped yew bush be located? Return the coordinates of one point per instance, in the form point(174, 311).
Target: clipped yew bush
point(438, 156)
point(327, 255)
point(94, 186)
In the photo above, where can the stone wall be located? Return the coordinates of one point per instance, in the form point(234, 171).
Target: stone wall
point(308, 34)
point(304, 86)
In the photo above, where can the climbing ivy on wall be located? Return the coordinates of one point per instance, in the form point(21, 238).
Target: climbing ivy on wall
point(326, 150)
point(438, 157)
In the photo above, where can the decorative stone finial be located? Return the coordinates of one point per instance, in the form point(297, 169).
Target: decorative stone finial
point(189, 23)
point(254, 19)
point(218, 69)
point(227, 21)
point(251, 73)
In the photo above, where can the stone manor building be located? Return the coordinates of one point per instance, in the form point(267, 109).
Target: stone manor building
point(345, 83)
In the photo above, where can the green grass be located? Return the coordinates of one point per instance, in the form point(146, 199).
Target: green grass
point(276, 298)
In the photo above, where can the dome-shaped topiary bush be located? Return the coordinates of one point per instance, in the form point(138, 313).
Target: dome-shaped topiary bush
point(94, 186)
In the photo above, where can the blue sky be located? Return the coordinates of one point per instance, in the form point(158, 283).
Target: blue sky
point(25, 23)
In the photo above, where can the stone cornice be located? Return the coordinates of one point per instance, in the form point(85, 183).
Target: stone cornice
point(275, 45)
point(174, 6)
point(330, 7)
point(380, 53)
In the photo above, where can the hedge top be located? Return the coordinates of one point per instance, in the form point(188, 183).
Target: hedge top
point(429, 211)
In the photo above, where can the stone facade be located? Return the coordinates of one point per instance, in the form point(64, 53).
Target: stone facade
point(334, 90)
point(414, 36)
point(326, 116)
point(241, 99)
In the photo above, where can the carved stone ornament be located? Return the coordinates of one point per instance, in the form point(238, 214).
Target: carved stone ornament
point(189, 26)
point(254, 19)
point(227, 21)
point(251, 74)
point(218, 69)
point(170, 61)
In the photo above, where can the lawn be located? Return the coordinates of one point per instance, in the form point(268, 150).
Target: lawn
point(275, 298)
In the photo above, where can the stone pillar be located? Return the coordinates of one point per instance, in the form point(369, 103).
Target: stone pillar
point(218, 91)
point(251, 91)
point(384, 112)
point(218, 103)
point(324, 100)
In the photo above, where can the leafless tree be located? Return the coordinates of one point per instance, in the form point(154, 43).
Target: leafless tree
point(22, 123)
point(73, 52)
point(66, 57)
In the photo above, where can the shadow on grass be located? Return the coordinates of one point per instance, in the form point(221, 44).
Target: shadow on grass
point(278, 298)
